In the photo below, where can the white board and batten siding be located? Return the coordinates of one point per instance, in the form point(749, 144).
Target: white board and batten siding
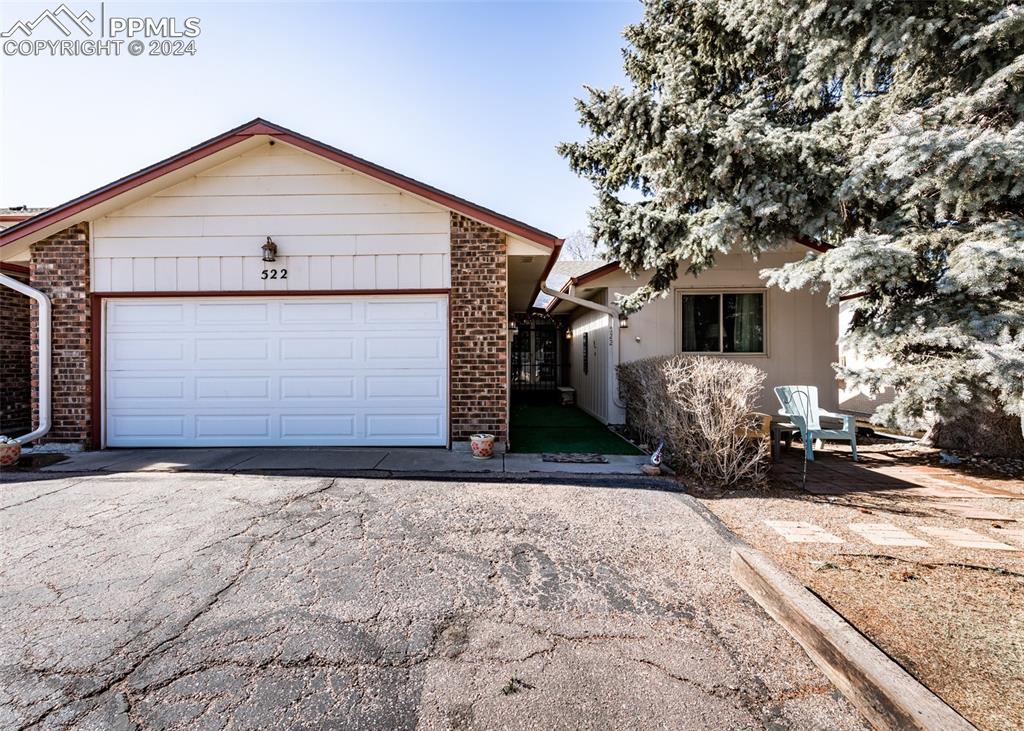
point(252, 371)
point(335, 229)
point(590, 330)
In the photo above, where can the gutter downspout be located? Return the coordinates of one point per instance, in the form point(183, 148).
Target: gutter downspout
point(613, 313)
point(606, 309)
point(44, 355)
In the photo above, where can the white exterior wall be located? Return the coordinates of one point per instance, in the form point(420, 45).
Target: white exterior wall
point(591, 388)
point(853, 398)
point(800, 338)
point(335, 229)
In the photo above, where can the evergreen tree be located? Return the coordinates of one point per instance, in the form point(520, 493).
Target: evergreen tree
point(888, 135)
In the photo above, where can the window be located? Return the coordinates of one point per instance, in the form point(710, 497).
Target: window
point(726, 322)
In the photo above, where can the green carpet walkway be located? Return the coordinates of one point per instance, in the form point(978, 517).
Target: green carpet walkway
point(537, 428)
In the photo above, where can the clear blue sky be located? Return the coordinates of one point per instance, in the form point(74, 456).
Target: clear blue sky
point(469, 97)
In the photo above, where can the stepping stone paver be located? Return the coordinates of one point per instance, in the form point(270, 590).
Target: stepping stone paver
point(797, 531)
point(1016, 534)
point(975, 513)
point(886, 534)
point(965, 538)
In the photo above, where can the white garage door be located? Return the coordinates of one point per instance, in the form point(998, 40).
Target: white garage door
point(247, 371)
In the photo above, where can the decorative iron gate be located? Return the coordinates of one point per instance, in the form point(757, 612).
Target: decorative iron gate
point(536, 355)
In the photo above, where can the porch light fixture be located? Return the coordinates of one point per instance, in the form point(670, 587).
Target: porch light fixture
point(513, 326)
point(270, 250)
point(568, 333)
point(623, 321)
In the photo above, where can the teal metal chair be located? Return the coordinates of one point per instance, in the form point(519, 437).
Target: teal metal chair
point(800, 406)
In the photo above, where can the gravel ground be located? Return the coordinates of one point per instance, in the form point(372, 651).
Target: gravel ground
point(953, 617)
point(212, 601)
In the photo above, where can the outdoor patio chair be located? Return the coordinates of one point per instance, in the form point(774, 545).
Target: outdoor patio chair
point(800, 406)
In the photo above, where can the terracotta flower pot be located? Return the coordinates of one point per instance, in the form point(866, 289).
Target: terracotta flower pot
point(9, 453)
point(482, 446)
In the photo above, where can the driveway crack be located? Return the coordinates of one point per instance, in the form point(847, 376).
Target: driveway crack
point(211, 601)
point(41, 495)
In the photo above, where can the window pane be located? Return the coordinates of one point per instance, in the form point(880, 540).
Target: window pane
point(700, 323)
point(744, 323)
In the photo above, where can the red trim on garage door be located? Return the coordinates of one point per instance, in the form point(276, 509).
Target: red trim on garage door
point(96, 353)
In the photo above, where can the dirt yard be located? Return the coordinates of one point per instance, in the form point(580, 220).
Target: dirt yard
point(950, 614)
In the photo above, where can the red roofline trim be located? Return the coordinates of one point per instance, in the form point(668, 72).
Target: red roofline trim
point(547, 270)
point(582, 279)
point(263, 127)
point(8, 267)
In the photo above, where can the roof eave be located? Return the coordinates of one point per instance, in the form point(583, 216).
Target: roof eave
point(258, 126)
point(582, 279)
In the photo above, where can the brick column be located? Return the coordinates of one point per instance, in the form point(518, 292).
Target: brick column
point(60, 268)
point(479, 331)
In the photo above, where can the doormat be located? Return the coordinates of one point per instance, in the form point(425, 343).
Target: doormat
point(576, 458)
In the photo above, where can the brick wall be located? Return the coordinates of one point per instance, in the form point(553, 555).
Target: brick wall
point(15, 364)
point(479, 330)
point(60, 268)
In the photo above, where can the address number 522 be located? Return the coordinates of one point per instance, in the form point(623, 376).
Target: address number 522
point(274, 274)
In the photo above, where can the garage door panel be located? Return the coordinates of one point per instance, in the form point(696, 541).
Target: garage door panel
point(318, 348)
point(405, 351)
point(403, 387)
point(148, 427)
point(232, 349)
point(136, 387)
point(319, 371)
point(232, 314)
point(317, 387)
point(232, 387)
point(232, 426)
point(318, 426)
point(148, 314)
point(316, 313)
point(399, 311)
point(164, 350)
point(404, 425)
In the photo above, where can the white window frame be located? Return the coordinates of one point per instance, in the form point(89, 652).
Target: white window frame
point(678, 319)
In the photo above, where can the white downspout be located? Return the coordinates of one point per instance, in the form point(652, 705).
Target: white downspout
point(580, 301)
point(614, 314)
point(44, 355)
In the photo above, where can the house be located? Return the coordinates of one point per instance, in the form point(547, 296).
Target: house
point(15, 349)
point(264, 288)
point(726, 312)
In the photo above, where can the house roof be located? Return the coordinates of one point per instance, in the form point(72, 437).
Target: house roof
point(75, 209)
point(599, 271)
point(16, 214)
point(560, 273)
point(594, 272)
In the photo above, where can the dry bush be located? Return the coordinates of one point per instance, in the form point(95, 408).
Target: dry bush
point(701, 407)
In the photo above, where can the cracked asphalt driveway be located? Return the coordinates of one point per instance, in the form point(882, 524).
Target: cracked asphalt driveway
point(208, 601)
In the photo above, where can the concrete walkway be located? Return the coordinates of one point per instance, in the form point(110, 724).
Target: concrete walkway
point(343, 460)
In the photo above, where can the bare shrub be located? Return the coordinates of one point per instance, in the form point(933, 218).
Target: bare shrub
point(701, 407)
